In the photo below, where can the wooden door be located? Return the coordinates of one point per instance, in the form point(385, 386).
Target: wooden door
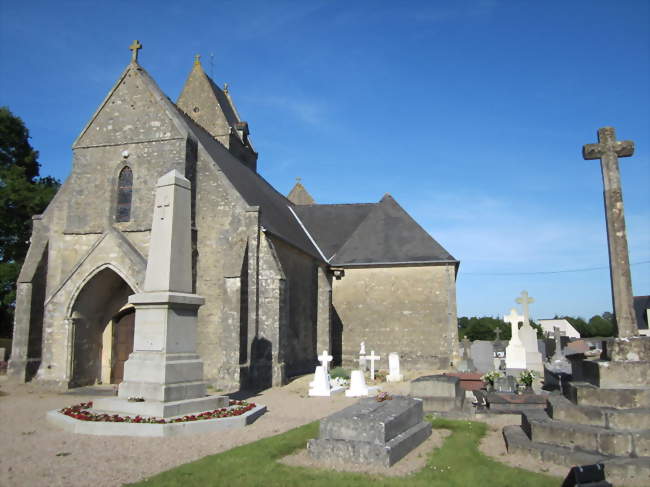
point(122, 345)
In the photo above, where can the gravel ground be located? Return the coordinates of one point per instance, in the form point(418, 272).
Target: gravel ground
point(34, 453)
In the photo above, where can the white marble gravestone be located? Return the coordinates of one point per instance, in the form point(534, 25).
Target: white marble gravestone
point(164, 372)
point(394, 374)
point(515, 351)
point(528, 337)
point(358, 387)
point(320, 386)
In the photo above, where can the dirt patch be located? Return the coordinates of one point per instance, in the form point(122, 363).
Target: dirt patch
point(494, 446)
point(411, 463)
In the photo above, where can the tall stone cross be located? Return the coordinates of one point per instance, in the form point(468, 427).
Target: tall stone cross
point(524, 300)
point(372, 357)
point(608, 150)
point(498, 332)
point(325, 359)
point(513, 318)
point(135, 47)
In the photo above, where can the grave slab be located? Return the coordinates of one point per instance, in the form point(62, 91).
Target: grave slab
point(438, 392)
point(372, 432)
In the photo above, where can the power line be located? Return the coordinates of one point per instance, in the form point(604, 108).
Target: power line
point(565, 271)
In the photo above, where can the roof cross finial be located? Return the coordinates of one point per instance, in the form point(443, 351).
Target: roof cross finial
point(225, 88)
point(197, 59)
point(298, 179)
point(135, 47)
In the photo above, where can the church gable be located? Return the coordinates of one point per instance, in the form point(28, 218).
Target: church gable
point(132, 112)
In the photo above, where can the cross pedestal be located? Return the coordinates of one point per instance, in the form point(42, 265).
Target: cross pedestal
point(608, 150)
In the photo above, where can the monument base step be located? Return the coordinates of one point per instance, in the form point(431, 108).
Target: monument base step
point(586, 394)
point(636, 471)
point(160, 409)
point(616, 374)
point(561, 409)
point(598, 440)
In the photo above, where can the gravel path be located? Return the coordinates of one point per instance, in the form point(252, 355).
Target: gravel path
point(34, 453)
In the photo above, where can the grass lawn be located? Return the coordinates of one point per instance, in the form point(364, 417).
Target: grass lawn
point(457, 463)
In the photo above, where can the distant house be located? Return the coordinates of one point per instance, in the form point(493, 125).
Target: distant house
point(642, 311)
point(565, 327)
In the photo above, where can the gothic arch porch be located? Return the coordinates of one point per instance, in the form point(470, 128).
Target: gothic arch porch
point(102, 329)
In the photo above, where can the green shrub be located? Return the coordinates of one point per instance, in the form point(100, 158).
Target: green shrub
point(340, 372)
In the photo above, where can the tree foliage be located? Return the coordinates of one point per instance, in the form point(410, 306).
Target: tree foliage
point(598, 326)
point(22, 194)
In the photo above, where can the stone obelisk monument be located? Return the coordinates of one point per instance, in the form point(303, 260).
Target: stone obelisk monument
point(608, 150)
point(164, 375)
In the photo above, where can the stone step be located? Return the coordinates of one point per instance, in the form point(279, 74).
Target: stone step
point(598, 440)
point(561, 409)
point(616, 469)
point(614, 374)
point(586, 394)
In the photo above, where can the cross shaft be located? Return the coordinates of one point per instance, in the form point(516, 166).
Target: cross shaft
point(608, 150)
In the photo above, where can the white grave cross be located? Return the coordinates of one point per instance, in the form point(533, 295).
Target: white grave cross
point(324, 360)
point(524, 300)
point(372, 357)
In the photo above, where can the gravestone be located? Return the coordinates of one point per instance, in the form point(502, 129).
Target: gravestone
point(371, 432)
point(164, 370)
point(320, 386)
point(528, 336)
point(466, 365)
point(363, 363)
point(482, 355)
point(438, 392)
point(394, 374)
point(358, 387)
point(507, 384)
point(515, 351)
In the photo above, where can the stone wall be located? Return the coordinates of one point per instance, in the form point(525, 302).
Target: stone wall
point(410, 310)
point(300, 271)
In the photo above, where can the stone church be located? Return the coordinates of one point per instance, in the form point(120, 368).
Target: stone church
point(283, 278)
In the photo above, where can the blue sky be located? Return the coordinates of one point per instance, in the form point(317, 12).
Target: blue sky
point(471, 114)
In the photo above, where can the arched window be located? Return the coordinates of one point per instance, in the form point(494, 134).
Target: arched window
point(124, 194)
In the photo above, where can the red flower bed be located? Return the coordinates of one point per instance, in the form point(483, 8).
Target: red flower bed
point(80, 411)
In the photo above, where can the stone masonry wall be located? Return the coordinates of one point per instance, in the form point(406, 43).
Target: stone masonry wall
point(408, 310)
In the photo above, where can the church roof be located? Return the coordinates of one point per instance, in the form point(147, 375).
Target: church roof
point(370, 233)
point(300, 196)
point(275, 213)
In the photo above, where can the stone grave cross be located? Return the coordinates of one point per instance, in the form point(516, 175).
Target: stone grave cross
point(524, 300)
point(135, 47)
point(325, 359)
point(513, 318)
point(557, 355)
point(372, 357)
point(608, 150)
point(498, 333)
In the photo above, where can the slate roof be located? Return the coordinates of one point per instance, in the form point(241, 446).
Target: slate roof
point(370, 233)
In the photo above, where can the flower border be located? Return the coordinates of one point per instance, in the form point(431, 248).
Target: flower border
point(80, 412)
